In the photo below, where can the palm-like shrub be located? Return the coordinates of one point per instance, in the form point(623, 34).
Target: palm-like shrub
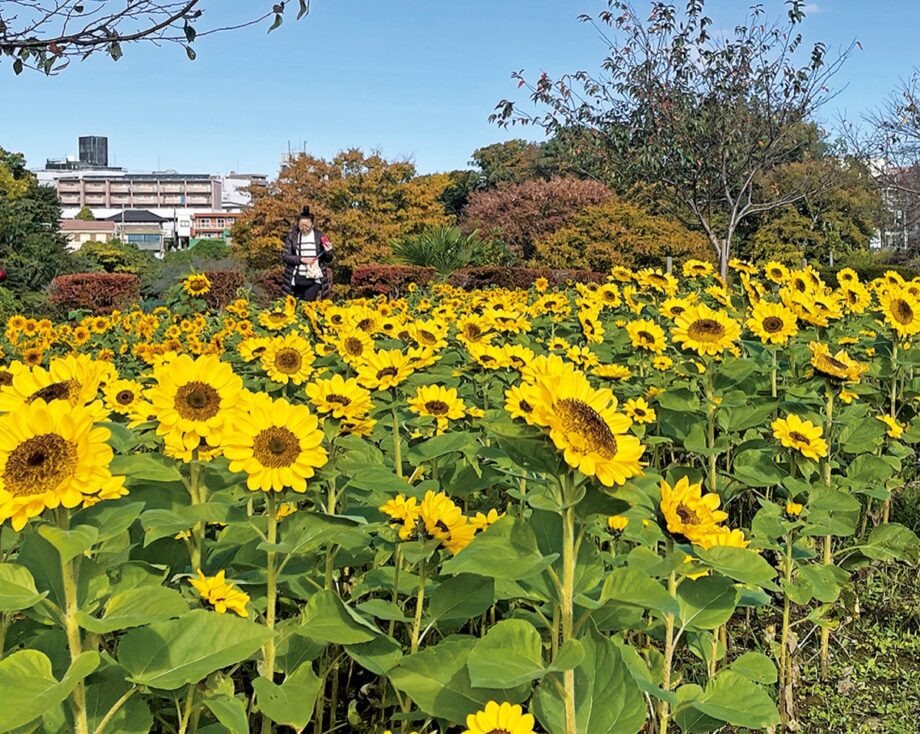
point(445, 249)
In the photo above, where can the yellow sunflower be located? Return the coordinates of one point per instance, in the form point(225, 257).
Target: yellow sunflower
point(901, 310)
point(74, 379)
point(123, 396)
point(801, 435)
point(278, 446)
point(288, 358)
point(194, 396)
point(839, 366)
point(342, 398)
point(705, 330)
point(52, 455)
point(383, 369)
point(639, 410)
point(772, 323)
point(722, 536)
point(646, 334)
point(689, 512)
point(500, 718)
point(697, 269)
point(776, 272)
point(221, 594)
point(438, 402)
point(197, 284)
point(584, 424)
point(895, 429)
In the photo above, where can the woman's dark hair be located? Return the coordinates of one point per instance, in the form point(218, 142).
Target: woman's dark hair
point(305, 213)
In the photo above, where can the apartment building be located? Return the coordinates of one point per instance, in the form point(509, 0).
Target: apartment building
point(213, 225)
point(139, 190)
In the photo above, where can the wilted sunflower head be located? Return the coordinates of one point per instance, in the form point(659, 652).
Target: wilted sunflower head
point(838, 366)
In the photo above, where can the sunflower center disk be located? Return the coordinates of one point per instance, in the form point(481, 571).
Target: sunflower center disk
point(582, 420)
point(55, 391)
point(687, 515)
point(796, 436)
point(902, 312)
point(386, 372)
point(437, 407)
point(338, 399)
point(197, 401)
point(288, 360)
point(706, 330)
point(772, 324)
point(276, 447)
point(125, 397)
point(39, 465)
point(355, 347)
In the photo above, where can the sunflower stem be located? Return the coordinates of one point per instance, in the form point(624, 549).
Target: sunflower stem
point(197, 494)
point(69, 571)
point(784, 679)
point(397, 448)
point(568, 593)
point(664, 712)
point(773, 373)
point(828, 555)
point(397, 565)
point(268, 650)
point(330, 553)
point(419, 601)
point(894, 377)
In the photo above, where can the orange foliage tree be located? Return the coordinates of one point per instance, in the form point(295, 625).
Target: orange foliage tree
point(362, 201)
point(619, 233)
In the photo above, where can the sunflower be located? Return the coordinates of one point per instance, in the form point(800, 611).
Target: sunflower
point(617, 523)
point(673, 307)
point(279, 446)
point(662, 362)
point(621, 273)
point(801, 435)
point(221, 594)
point(584, 425)
point(194, 396)
point(582, 356)
point(839, 366)
point(197, 284)
point(722, 536)
point(342, 398)
point(902, 311)
point(276, 320)
point(253, 348)
point(288, 358)
point(74, 379)
point(438, 402)
point(383, 369)
point(519, 402)
point(689, 512)
point(482, 520)
point(705, 330)
point(646, 334)
point(776, 272)
point(895, 429)
point(856, 297)
point(697, 269)
point(612, 372)
point(772, 323)
point(123, 396)
point(473, 329)
point(503, 718)
point(639, 410)
point(52, 455)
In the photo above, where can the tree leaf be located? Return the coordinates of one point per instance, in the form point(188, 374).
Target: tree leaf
point(169, 655)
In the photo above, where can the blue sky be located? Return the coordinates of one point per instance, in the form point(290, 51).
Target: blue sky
point(413, 78)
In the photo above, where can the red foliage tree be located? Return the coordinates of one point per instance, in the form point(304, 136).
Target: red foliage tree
point(521, 214)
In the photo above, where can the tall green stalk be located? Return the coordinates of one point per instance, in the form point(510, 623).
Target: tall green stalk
point(568, 594)
point(268, 649)
point(69, 572)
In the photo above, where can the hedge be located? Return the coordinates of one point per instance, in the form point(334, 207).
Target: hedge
point(225, 284)
point(484, 277)
point(392, 280)
point(100, 293)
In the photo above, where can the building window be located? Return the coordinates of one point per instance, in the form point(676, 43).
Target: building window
point(204, 222)
point(145, 239)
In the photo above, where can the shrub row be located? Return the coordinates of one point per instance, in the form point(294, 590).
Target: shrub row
point(225, 285)
point(392, 280)
point(100, 293)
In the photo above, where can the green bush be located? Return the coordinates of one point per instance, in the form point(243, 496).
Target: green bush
point(447, 249)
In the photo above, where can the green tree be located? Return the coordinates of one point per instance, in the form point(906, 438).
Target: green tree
point(113, 256)
point(695, 116)
point(85, 215)
point(32, 250)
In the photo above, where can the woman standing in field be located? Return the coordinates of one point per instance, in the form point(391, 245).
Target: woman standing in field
point(307, 255)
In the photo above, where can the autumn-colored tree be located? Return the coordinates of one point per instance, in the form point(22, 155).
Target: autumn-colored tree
point(362, 201)
point(619, 233)
point(521, 214)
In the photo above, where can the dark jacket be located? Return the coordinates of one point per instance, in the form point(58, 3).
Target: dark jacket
point(290, 256)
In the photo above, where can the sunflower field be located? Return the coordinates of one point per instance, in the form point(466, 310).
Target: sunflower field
point(633, 506)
